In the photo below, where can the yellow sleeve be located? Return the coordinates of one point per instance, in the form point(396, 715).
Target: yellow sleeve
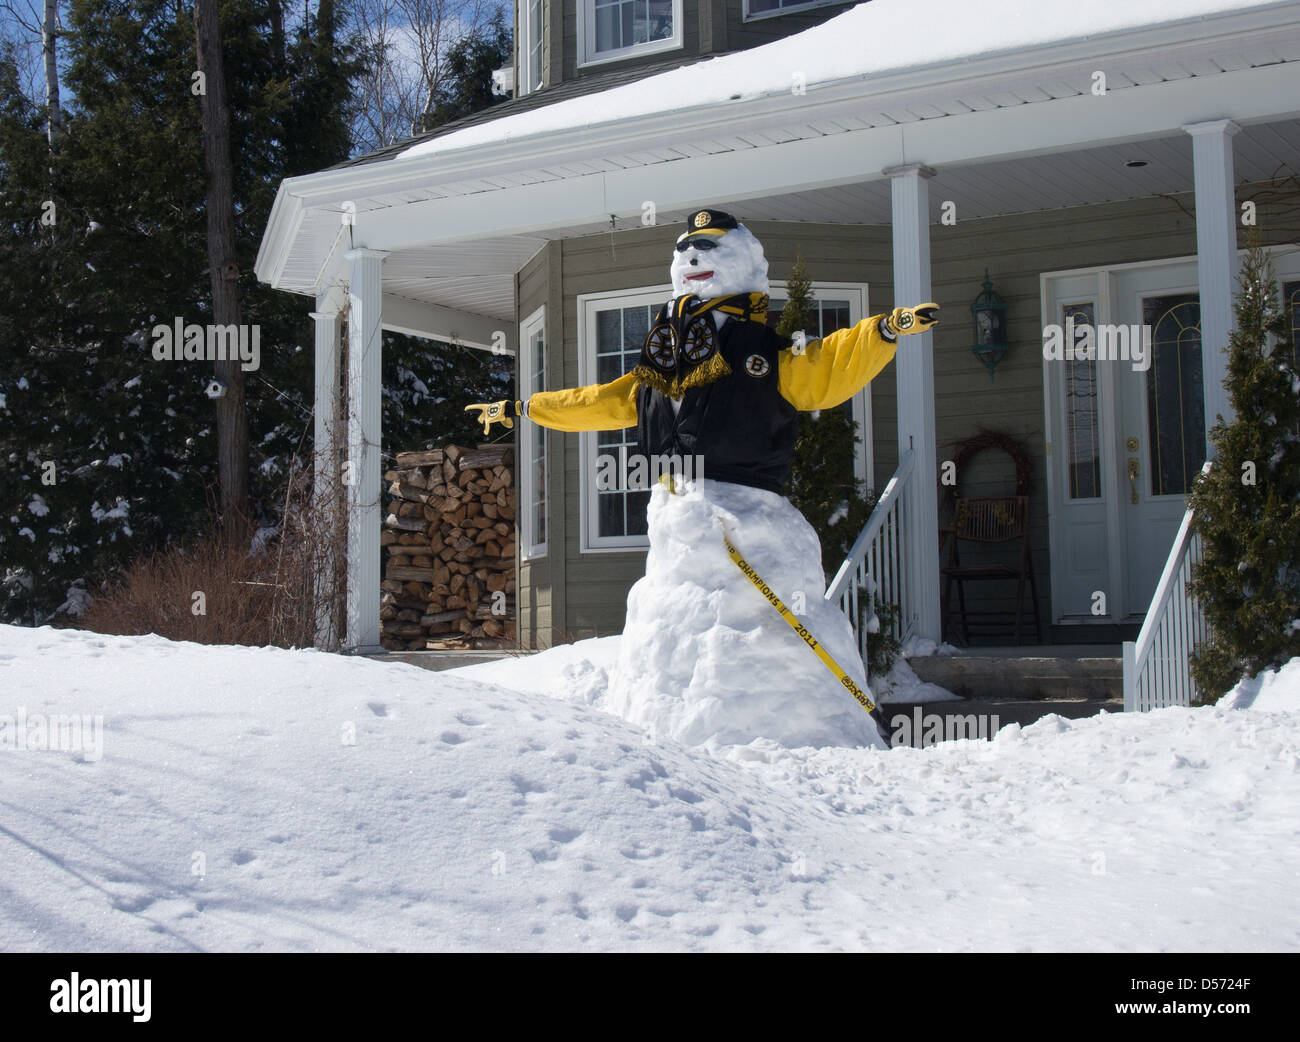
point(833, 369)
point(596, 407)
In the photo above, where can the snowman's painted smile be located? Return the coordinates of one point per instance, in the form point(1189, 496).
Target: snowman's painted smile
point(700, 277)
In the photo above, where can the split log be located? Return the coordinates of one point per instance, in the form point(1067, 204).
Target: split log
point(419, 459)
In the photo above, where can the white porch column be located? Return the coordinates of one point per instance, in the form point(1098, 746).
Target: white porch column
point(326, 410)
point(915, 373)
point(362, 474)
point(1216, 256)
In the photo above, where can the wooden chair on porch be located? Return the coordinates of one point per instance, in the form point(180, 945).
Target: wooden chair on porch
point(986, 521)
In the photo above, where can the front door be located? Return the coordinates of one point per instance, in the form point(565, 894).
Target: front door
point(1126, 428)
point(1161, 417)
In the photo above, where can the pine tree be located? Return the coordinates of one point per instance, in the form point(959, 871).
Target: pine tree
point(132, 439)
point(1247, 508)
point(823, 486)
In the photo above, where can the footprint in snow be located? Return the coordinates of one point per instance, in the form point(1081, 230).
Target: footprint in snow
point(523, 786)
point(378, 708)
point(133, 903)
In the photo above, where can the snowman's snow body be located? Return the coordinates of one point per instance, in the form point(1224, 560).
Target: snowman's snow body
point(705, 656)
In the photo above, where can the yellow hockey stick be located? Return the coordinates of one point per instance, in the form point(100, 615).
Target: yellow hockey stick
point(793, 622)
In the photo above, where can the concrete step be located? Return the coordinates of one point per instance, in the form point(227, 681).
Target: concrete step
point(920, 724)
point(440, 660)
point(1065, 672)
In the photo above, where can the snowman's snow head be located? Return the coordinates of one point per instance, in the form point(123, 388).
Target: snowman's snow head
point(718, 257)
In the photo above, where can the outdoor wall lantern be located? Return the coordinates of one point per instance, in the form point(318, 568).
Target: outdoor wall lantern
point(989, 312)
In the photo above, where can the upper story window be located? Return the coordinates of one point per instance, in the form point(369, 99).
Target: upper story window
point(613, 29)
point(770, 8)
point(530, 46)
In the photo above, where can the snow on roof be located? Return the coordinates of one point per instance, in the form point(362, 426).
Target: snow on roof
point(870, 39)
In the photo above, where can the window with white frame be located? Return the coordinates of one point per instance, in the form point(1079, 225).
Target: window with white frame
point(532, 439)
point(612, 328)
point(530, 46)
point(769, 8)
point(613, 29)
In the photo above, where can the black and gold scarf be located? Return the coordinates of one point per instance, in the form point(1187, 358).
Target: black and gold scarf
point(681, 350)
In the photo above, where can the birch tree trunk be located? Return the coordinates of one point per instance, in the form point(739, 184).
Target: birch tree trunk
point(49, 43)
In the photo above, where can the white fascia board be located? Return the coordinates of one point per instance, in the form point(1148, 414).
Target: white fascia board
point(435, 322)
point(1067, 124)
point(282, 229)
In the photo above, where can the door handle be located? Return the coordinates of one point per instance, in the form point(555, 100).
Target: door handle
point(1132, 478)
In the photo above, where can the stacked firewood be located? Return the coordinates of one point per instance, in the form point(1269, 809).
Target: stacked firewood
point(449, 538)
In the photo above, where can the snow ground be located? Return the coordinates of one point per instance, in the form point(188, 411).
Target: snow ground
point(228, 813)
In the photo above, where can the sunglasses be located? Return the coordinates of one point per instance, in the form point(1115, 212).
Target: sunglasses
point(701, 244)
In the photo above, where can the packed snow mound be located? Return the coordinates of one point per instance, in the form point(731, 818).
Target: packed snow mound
point(577, 672)
point(1272, 691)
point(261, 799)
point(704, 656)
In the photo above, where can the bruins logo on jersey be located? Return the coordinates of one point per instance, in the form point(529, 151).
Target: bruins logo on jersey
point(757, 365)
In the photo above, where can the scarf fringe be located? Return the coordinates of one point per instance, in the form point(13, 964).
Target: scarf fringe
point(745, 306)
point(706, 373)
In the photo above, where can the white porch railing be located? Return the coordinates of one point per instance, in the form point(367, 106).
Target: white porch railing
point(876, 565)
point(1157, 667)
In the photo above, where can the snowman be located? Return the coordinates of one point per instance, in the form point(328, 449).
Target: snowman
point(705, 655)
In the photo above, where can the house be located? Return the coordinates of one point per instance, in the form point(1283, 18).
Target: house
point(1103, 163)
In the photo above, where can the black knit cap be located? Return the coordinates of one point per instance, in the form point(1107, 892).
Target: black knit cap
point(707, 224)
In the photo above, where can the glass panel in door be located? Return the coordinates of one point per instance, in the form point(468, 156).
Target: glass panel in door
point(1174, 393)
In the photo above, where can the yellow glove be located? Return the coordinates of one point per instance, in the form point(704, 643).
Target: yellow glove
point(496, 412)
point(911, 320)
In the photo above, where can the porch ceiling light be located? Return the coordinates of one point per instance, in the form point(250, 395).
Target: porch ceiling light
point(989, 313)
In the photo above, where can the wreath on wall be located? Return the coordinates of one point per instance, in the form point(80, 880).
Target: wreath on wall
point(968, 448)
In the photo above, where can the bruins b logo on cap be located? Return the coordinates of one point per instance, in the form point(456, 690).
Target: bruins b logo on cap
point(707, 223)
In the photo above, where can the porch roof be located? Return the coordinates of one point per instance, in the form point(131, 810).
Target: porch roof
point(1010, 129)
